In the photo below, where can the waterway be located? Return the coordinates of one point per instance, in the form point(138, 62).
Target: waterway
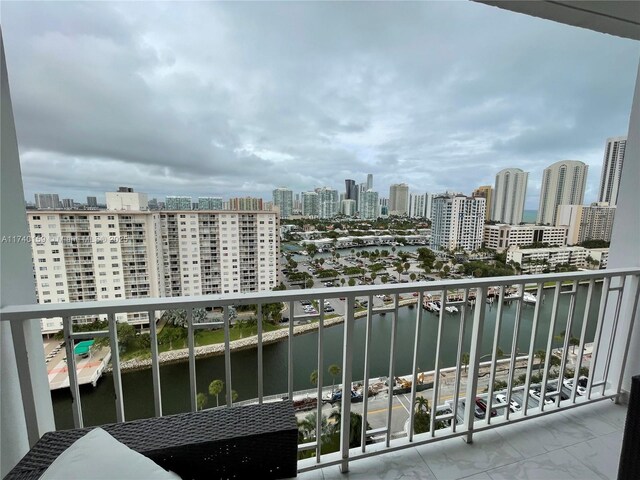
point(99, 407)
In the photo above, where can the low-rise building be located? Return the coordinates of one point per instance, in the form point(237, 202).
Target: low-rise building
point(501, 236)
point(541, 260)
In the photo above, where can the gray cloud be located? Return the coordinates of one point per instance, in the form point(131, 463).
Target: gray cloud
point(238, 98)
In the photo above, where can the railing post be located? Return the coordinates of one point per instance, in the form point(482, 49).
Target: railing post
point(115, 365)
point(67, 329)
point(347, 365)
point(155, 366)
point(474, 361)
point(193, 395)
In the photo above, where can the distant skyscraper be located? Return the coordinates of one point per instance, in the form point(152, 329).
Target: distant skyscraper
point(611, 170)
point(369, 210)
point(399, 199)
point(418, 205)
point(586, 222)
point(92, 202)
point(360, 190)
point(348, 207)
point(178, 203)
point(47, 200)
point(384, 207)
point(209, 203)
point(246, 203)
point(458, 222)
point(509, 196)
point(310, 206)
point(370, 181)
point(486, 192)
point(563, 183)
point(67, 203)
point(327, 202)
point(350, 190)
point(283, 199)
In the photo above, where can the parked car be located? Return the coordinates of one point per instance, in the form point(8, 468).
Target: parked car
point(477, 411)
point(483, 406)
point(337, 396)
point(535, 393)
point(513, 405)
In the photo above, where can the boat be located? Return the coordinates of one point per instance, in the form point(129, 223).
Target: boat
point(451, 309)
point(529, 298)
point(432, 307)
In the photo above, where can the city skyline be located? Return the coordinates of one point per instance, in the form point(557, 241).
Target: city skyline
point(137, 101)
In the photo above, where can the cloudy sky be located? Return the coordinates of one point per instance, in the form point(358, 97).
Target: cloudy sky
point(239, 98)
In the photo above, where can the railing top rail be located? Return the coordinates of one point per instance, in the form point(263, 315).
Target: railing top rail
point(25, 312)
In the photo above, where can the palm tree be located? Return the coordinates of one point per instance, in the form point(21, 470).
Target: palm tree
point(215, 387)
point(201, 401)
point(334, 371)
point(574, 342)
point(465, 360)
point(399, 269)
point(313, 378)
point(422, 404)
point(355, 427)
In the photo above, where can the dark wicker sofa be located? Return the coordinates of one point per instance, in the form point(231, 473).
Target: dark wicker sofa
point(254, 441)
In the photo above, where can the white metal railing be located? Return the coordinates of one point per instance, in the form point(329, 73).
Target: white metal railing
point(620, 288)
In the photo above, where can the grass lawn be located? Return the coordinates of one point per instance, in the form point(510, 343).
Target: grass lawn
point(202, 337)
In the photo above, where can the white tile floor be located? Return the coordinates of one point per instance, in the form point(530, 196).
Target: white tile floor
point(582, 443)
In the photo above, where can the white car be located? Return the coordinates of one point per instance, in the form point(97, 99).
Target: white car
point(536, 394)
point(513, 405)
point(568, 382)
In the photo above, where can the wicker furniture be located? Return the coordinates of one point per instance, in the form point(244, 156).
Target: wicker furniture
point(255, 441)
point(629, 466)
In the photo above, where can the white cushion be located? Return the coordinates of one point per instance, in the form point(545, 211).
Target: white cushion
point(99, 456)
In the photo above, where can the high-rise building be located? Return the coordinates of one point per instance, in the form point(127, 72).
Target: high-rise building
point(418, 205)
point(486, 192)
point(245, 203)
point(611, 170)
point(297, 204)
point(360, 189)
point(153, 204)
point(67, 203)
point(587, 222)
point(283, 199)
point(327, 202)
point(370, 181)
point(399, 199)
point(310, 204)
point(457, 222)
point(92, 202)
point(350, 190)
point(107, 255)
point(209, 203)
point(369, 202)
point(47, 201)
point(509, 196)
point(348, 207)
point(563, 183)
point(178, 203)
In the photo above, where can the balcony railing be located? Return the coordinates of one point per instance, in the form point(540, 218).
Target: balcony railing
point(619, 292)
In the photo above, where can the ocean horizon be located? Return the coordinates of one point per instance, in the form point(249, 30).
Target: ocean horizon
point(529, 216)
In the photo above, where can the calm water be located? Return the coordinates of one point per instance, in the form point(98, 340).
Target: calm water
point(99, 407)
point(529, 216)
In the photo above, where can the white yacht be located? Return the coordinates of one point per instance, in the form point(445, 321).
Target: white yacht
point(529, 297)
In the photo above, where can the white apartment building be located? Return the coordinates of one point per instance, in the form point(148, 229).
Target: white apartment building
point(348, 207)
point(209, 203)
point(369, 209)
point(310, 204)
point(283, 199)
point(611, 170)
point(509, 195)
point(47, 201)
point(563, 183)
point(457, 222)
point(499, 237)
point(586, 222)
point(127, 200)
point(420, 205)
point(177, 203)
point(540, 260)
point(486, 192)
point(106, 255)
point(328, 202)
point(399, 199)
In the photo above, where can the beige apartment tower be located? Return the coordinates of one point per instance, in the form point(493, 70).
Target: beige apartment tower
point(563, 183)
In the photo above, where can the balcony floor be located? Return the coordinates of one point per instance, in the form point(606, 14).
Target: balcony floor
point(584, 442)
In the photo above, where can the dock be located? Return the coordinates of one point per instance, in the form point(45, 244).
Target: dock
point(88, 369)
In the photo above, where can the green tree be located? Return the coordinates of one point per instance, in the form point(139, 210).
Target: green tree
point(413, 277)
point(399, 269)
point(355, 427)
point(334, 371)
point(309, 283)
point(313, 378)
point(215, 387)
point(574, 342)
point(465, 360)
point(352, 282)
point(373, 277)
point(201, 401)
point(541, 355)
point(342, 281)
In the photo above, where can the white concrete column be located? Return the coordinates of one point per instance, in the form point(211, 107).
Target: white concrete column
point(26, 410)
point(625, 248)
